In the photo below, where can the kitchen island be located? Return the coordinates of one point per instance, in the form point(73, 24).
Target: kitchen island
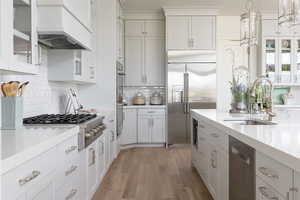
point(277, 152)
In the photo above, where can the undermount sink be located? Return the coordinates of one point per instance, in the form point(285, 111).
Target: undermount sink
point(253, 122)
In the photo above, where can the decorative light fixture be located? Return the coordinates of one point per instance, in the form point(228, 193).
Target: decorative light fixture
point(289, 12)
point(250, 25)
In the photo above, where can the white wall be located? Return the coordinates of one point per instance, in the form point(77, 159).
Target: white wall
point(102, 95)
point(41, 96)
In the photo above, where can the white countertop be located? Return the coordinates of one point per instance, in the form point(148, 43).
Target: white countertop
point(19, 146)
point(144, 106)
point(281, 142)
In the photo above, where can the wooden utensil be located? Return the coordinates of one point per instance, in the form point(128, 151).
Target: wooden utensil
point(22, 88)
point(3, 89)
point(14, 88)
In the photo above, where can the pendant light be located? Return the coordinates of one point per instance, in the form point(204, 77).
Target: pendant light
point(289, 12)
point(250, 24)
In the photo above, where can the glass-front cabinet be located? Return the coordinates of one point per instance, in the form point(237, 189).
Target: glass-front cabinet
point(285, 60)
point(281, 60)
point(19, 45)
point(271, 59)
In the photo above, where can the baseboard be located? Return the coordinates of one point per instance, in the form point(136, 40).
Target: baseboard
point(141, 145)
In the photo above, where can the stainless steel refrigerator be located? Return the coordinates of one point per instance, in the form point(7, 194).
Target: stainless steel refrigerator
point(191, 85)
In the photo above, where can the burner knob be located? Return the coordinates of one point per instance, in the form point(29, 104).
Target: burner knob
point(88, 135)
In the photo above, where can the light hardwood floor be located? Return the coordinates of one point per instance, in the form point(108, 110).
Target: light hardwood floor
point(153, 174)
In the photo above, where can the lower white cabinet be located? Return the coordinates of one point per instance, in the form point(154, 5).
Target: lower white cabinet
point(151, 127)
point(296, 189)
point(129, 132)
point(143, 126)
point(101, 158)
point(44, 190)
point(91, 159)
point(210, 158)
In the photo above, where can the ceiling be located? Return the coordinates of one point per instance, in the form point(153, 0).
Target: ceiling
point(226, 7)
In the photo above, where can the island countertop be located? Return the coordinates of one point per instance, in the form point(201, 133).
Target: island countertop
point(280, 142)
point(19, 146)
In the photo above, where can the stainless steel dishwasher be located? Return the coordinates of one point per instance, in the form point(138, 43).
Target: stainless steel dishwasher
point(241, 171)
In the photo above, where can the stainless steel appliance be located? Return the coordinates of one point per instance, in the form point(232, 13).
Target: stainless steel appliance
point(241, 171)
point(120, 96)
point(156, 99)
point(91, 126)
point(191, 85)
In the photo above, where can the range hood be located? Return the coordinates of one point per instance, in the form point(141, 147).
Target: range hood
point(59, 29)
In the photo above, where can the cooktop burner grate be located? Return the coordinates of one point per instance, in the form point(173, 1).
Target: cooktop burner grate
point(59, 119)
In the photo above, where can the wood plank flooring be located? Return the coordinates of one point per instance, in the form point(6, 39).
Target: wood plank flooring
point(153, 174)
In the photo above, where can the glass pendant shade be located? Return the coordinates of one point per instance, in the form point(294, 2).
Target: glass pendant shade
point(289, 12)
point(250, 25)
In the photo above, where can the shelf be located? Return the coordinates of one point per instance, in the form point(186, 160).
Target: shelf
point(286, 84)
point(286, 106)
point(21, 35)
point(21, 2)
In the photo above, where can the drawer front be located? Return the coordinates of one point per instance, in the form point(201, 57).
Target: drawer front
point(20, 179)
point(266, 192)
point(68, 150)
point(151, 111)
point(274, 173)
point(217, 137)
point(66, 171)
point(71, 190)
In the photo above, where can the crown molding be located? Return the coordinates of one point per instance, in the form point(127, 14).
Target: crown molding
point(190, 11)
point(143, 14)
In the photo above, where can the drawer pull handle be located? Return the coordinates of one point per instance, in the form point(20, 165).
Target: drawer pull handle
point(267, 193)
point(34, 174)
point(69, 150)
point(71, 194)
point(215, 135)
point(71, 170)
point(268, 173)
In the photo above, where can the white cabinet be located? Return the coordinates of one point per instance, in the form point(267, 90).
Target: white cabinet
point(151, 126)
point(191, 33)
point(154, 60)
point(211, 159)
point(178, 32)
point(91, 163)
point(134, 61)
point(296, 190)
point(43, 190)
point(144, 53)
point(129, 132)
point(18, 37)
point(71, 66)
point(101, 158)
point(203, 32)
point(120, 33)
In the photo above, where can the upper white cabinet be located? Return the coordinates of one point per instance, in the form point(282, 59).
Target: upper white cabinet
point(178, 33)
point(70, 66)
point(144, 53)
point(191, 32)
point(120, 34)
point(18, 37)
point(281, 53)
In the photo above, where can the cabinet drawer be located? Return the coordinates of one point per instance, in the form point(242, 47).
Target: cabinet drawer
point(274, 173)
point(265, 191)
point(66, 171)
point(151, 112)
point(68, 150)
point(71, 190)
point(18, 181)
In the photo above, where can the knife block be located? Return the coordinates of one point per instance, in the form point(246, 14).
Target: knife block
point(12, 112)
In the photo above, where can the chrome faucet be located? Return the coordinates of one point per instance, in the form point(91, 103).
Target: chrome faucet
point(261, 97)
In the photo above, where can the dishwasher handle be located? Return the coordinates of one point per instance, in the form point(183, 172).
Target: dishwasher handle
point(245, 159)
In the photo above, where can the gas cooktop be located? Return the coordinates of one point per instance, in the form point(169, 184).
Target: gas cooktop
point(59, 119)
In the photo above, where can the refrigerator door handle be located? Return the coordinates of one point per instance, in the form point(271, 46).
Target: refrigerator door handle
point(186, 92)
